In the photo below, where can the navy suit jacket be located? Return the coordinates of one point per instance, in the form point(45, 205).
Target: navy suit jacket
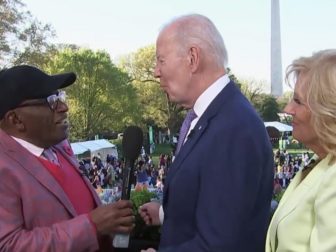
point(218, 189)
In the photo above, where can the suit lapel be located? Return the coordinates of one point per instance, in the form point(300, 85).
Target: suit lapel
point(274, 222)
point(224, 96)
point(296, 191)
point(30, 163)
point(200, 127)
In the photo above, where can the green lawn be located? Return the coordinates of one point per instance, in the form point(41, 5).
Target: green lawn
point(162, 149)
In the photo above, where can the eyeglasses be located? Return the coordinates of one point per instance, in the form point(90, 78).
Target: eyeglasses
point(51, 100)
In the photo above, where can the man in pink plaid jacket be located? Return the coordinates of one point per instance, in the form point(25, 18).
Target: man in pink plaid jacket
point(47, 206)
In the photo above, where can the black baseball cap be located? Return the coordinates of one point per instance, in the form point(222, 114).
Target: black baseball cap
point(24, 82)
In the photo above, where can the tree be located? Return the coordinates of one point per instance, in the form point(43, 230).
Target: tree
point(36, 47)
point(23, 39)
point(102, 99)
point(233, 78)
point(268, 107)
point(252, 90)
point(284, 99)
point(157, 109)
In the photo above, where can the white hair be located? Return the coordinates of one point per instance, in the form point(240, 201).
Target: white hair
point(200, 30)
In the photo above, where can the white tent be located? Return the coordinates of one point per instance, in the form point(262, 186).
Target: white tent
point(279, 126)
point(101, 146)
point(79, 149)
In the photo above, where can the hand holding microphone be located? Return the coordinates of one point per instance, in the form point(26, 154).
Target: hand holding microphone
point(113, 218)
point(131, 145)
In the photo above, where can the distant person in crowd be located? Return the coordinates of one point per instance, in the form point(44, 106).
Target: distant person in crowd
point(95, 179)
point(46, 204)
point(141, 174)
point(162, 160)
point(306, 215)
point(110, 178)
point(154, 175)
point(82, 169)
point(221, 202)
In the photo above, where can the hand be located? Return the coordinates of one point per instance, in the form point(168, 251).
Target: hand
point(149, 250)
point(150, 213)
point(113, 218)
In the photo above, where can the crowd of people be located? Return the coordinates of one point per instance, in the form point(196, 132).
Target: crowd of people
point(106, 174)
point(287, 165)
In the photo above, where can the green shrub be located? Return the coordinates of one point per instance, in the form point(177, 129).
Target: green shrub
point(140, 197)
point(141, 230)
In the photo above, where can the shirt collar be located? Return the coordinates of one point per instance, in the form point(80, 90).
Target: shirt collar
point(35, 150)
point(204, 100)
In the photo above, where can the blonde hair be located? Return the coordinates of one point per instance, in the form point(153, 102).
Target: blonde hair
point(319, 72)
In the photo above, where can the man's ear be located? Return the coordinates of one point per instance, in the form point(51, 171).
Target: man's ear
point(194, 58)
point(13, 120)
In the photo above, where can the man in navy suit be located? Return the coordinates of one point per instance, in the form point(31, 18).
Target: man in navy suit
point(218, 190)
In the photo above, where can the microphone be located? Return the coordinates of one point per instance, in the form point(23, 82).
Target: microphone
point(131, 146)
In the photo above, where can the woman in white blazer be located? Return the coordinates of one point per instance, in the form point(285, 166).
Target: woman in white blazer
point(305, 219)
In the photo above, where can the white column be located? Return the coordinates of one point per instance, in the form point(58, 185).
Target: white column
point(276, 62)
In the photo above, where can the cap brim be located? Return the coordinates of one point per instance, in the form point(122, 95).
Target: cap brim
point(63, 80)
point(53, 83)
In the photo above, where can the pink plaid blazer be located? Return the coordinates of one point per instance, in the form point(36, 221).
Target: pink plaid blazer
point(35, 213)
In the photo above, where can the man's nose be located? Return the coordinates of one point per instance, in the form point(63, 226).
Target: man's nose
point(157, 72)
point(62, 107)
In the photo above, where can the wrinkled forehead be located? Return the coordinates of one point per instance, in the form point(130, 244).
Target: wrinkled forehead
point(165, 45)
